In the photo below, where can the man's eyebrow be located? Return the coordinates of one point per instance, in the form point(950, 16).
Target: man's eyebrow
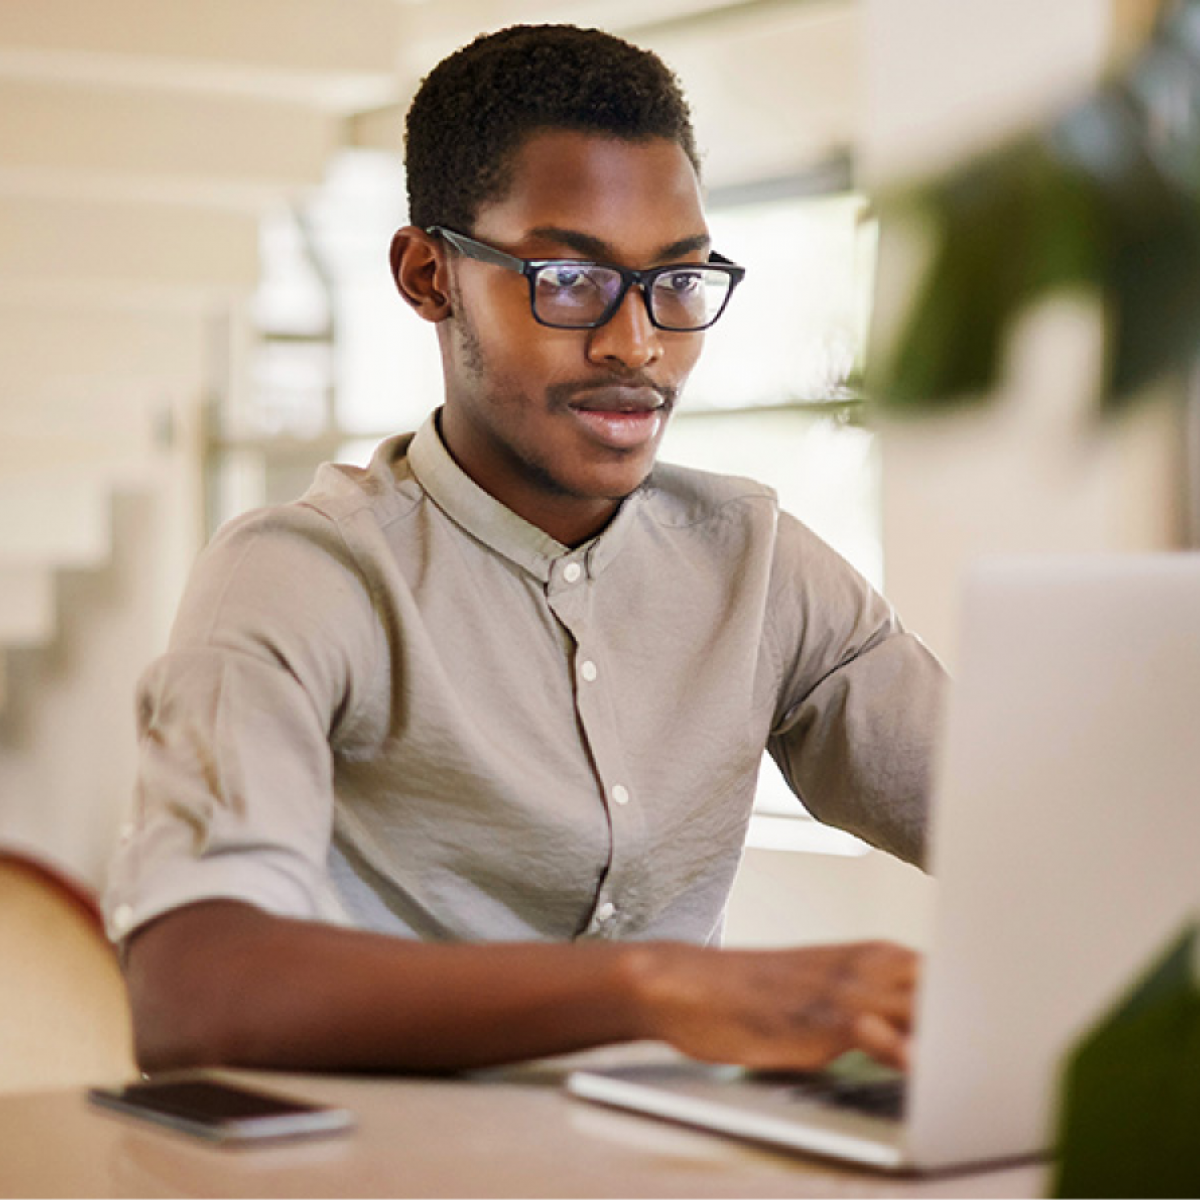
point(599, 249)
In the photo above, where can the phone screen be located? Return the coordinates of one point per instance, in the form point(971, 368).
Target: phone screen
point(222, 1111)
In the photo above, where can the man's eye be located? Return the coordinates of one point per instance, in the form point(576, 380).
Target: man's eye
point(682, 283)
point(566, 279)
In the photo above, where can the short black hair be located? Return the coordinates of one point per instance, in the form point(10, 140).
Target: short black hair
point(476, 108)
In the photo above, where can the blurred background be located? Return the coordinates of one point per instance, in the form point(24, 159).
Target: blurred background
point(196, 200)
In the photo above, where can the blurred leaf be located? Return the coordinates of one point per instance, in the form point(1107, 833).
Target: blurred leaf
point(1106, 197)
point(1130, 1090)
point(1007, 228)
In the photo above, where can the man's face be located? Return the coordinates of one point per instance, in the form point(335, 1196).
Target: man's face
point(561, 424)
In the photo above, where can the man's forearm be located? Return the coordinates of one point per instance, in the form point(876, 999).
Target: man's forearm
point(221, 982)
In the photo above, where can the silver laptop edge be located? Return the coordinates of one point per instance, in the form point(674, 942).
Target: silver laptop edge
point(885, 1151)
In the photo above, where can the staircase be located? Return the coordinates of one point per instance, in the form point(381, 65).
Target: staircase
point(49, 521)
point(100, 504)
point(135, 169)
point(74, 628)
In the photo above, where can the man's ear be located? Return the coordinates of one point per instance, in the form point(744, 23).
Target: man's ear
point(419, 269)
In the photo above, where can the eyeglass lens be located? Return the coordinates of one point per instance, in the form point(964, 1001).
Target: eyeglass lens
point(577, 295)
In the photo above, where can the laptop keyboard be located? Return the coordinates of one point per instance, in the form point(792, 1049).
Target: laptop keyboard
point(853, 1081)
point(875, 1097)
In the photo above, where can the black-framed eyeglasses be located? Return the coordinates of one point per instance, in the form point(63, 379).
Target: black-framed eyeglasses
point(568, 293)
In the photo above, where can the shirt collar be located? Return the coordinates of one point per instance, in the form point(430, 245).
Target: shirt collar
point(485, 518)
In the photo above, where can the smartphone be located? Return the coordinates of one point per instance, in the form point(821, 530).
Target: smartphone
point(222, 1112)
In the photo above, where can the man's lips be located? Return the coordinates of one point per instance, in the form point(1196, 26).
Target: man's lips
point(621, 418)
point(620, 400)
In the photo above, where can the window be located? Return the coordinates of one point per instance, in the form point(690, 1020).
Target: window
point(774, 397)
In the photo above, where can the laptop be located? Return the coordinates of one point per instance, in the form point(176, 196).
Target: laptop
point(1065, 844)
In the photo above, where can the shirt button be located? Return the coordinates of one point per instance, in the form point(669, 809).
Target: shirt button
point(620, 793)
point(572, 571)
point(588, 670)
point(606, 912)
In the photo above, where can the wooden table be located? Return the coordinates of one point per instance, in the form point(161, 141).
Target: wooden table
point(506, 1134)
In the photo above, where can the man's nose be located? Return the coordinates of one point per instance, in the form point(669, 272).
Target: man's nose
point(629, 337)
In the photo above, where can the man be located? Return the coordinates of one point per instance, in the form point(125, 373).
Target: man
point(450, 762)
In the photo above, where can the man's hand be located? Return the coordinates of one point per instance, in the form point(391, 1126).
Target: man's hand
point(783, 1009)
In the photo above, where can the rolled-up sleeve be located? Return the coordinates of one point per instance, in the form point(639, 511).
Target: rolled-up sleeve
point(234, 796)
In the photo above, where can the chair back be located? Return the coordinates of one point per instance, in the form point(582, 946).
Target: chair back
point(64, 1014)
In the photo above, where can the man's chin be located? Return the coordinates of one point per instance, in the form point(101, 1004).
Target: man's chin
point(617, 491)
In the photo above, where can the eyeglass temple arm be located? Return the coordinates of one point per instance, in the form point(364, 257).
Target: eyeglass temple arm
point(478, 250)
point(719, 260)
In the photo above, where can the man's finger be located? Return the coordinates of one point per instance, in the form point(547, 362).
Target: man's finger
point(882, 1040)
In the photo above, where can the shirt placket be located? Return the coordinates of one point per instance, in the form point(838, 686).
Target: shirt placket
point(616, 903)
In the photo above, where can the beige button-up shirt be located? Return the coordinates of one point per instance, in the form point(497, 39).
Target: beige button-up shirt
point(397, 704)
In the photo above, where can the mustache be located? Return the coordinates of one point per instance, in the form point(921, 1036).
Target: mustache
point(565, 393)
